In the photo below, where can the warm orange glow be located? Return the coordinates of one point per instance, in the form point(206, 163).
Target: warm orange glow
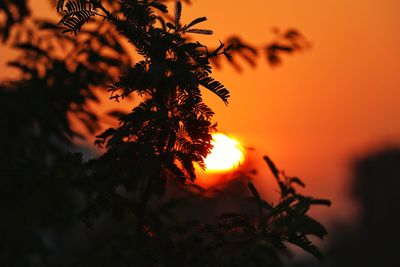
point(226, 155)
point(317, 109)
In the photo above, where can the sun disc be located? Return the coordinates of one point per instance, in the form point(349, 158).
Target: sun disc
point(227, 154)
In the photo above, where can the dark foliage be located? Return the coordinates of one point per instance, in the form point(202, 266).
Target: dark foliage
point(59, 77)
point(79, 12)
point(289, 42)
point(11, 13)
point(147, 170)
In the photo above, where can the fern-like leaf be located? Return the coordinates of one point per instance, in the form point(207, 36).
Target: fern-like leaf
point(160, 6)
point(78, 12)
point(60, 5)
point(178, 13)
point(200, 31)
point(272, 167)
point(194, 22)
point(215, 87)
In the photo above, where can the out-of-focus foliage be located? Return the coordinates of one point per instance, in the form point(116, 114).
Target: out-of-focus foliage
point(59, 77)
point(288, 42)
point(11, 13)
point(145, 175)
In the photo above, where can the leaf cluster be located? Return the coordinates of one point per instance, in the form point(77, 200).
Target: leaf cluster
point(59, 79)
point(172, 123)
point(289, 42)
point(59, 76)
point(146, 170)
point(160, 141)
point(169, 132)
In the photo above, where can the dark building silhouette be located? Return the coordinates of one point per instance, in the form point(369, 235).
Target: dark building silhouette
point(376, 186)
point(373, 239)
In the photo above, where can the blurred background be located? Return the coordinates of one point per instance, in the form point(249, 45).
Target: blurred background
point(328, 114)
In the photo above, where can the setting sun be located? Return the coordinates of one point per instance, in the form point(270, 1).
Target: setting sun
point(227, 154)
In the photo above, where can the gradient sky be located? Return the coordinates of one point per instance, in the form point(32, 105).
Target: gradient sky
point(325, 107)
point(320, 109)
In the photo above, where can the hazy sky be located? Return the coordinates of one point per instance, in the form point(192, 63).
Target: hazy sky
point(319, 110)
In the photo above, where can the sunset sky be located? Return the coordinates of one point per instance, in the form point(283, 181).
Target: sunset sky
point(323, 107)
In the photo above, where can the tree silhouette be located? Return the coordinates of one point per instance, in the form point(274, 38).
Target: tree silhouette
point(147, 170)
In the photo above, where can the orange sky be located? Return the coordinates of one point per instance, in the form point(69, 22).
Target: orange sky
point(321, 108)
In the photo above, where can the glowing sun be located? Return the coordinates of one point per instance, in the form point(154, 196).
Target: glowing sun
point(227, 154)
